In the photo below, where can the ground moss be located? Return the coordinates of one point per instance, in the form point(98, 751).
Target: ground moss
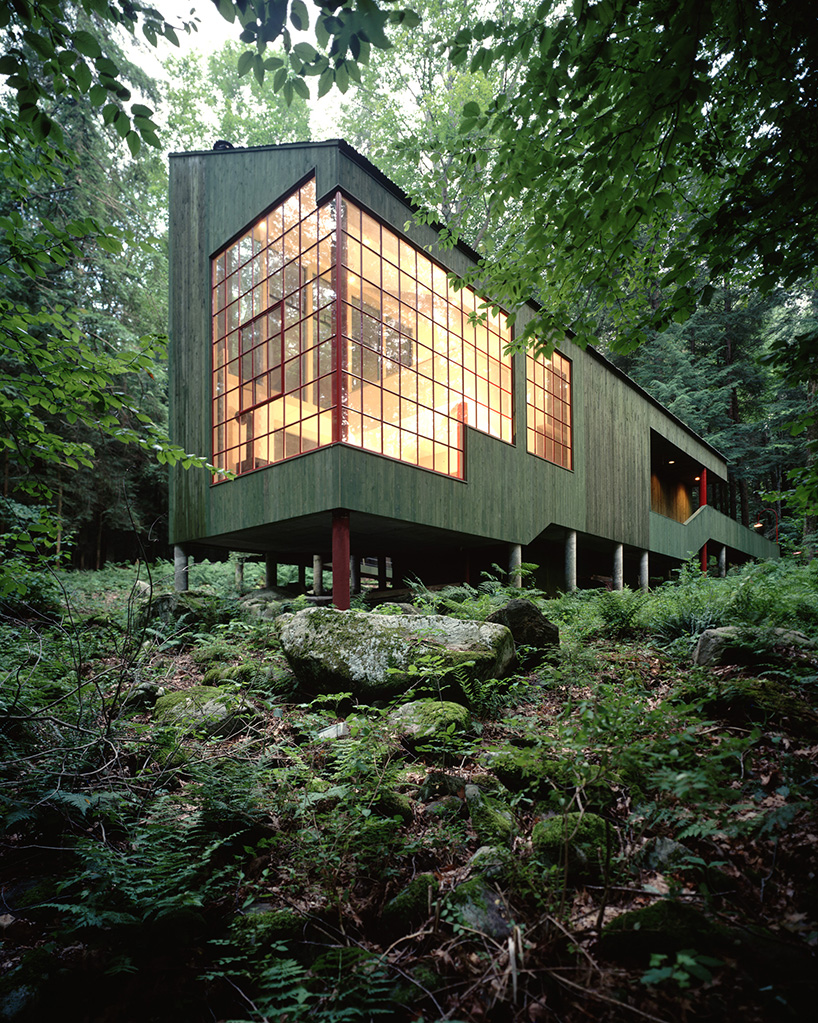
point(261, 926)
point(578, 840)
point(493, 822)
point(410, 906)
point(664, 927)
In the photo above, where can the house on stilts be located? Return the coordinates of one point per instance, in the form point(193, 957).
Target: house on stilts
point(322, 358)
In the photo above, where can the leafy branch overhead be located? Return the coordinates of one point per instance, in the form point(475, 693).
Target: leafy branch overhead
point(344, 35)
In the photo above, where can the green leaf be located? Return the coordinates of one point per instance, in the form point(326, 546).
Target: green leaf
point(245, 62)
point(82, 76)
point(279, 79)
point(305, 52)
point(87, 44)
point(299, 16)
point(325, 82)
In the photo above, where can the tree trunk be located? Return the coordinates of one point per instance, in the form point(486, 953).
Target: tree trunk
point(745, 502)
point(98, 555)
point(811, 519)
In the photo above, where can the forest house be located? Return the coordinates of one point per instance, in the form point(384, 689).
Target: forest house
point(321, 357)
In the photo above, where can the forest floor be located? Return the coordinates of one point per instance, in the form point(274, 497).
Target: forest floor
point(278, 874)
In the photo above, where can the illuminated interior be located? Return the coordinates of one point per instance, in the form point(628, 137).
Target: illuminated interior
point(330, 328)
point(548, 406)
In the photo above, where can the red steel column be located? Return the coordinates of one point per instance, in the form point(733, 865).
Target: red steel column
point(340, 559)
point(339, 360)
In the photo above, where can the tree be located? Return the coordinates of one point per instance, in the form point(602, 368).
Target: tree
point(205, 99)
point(405, 116)
point(68, 343)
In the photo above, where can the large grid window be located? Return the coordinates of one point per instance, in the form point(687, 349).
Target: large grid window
point(328, 332)
point(274, 336)
point(548, 403)
point(415, 368)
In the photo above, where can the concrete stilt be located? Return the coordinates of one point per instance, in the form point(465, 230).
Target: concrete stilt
point(571, 561)
point(355, 573)
point(180, 569)
point(618, 566)
point(317, 575)
point(644, 572)
point(515, 560)
point(723, 562)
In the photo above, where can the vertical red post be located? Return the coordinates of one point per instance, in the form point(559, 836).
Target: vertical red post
point(703, 488)
point(339, 360)
point(704, 558)
point(340, 559)
point(461, 414)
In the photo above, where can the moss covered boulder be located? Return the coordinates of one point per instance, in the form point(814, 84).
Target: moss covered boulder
point(740, 700)
point(491, 819)
point(206, 710)
point(431, 726)
point(575, 840)
point(261, 925)
point(528, 771)
point(479, 907)
point(410, 906)
point(377, 657)
point(664, 927)
point(732, 644)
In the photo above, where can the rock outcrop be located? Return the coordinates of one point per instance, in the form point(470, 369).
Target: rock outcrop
point(377, 657)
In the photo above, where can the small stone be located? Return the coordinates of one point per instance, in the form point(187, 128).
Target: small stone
point(338, 731)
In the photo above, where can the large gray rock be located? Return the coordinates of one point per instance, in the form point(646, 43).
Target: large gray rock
point(530, 628)
point(376, 657)
point(733, 645)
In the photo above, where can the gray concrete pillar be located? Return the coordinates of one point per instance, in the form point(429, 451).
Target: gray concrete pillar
point(240, 573)
point(180, 569)
point(355, 573)
point(618, 564)
point(270, 572)
point(515, 560)
point(317, 575)
point(644, 572)
point(723, 562)
point(571, 561)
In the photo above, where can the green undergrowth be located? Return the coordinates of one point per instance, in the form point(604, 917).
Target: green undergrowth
point(284, 871)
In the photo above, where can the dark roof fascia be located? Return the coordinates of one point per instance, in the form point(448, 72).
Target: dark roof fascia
point(366, 164)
